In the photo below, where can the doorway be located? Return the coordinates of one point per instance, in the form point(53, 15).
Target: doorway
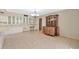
point(40, 24)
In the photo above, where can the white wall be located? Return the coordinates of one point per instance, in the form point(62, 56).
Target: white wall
point(69, 23)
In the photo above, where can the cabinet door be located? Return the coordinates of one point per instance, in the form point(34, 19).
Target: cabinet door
point(52, 31)
point(9, 19)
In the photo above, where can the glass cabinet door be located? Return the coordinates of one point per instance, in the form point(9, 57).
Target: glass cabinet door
point(9, 19)
point(13, 20)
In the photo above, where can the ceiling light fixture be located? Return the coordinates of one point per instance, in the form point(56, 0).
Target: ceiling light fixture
point(34, 13)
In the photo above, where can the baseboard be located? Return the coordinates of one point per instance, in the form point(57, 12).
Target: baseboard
point(70, 36)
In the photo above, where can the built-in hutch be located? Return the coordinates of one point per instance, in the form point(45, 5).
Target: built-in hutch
point(51, 27)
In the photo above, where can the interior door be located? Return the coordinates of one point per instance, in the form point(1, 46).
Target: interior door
point(40, 24)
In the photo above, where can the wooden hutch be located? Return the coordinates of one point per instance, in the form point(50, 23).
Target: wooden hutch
point(51, 27)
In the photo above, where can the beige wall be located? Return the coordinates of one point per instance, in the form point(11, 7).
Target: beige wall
point(68, 23)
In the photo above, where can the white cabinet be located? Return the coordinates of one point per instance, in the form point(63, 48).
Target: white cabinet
point(13, 20)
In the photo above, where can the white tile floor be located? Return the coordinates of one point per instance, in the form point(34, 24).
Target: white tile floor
point(37, 40)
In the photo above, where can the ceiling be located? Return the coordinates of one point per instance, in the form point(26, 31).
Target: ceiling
point(29, 11)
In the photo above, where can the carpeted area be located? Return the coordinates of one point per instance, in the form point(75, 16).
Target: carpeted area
point(37, 40)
